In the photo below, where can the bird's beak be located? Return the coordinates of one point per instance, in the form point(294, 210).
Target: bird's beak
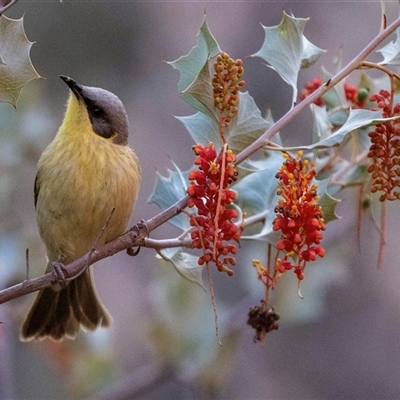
point(73, 85)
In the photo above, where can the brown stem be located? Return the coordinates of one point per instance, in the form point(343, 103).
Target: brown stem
point(382, 241)
point(371, 65)
point(218, 207)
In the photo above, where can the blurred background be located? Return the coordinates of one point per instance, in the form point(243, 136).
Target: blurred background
point(341, 342)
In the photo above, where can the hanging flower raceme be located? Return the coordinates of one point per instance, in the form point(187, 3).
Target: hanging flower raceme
point(209, 193)
point(385, 150)
point(299, 216)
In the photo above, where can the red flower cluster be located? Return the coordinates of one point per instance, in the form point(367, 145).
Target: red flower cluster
point(299, 216)
point(385, 150)
point(310, 88)
point(355, 97)
point(210, 194)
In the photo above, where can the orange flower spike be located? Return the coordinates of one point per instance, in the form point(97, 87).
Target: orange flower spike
point(226, 84)
point(299, 217)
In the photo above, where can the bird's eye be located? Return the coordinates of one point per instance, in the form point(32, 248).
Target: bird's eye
point(97, 112)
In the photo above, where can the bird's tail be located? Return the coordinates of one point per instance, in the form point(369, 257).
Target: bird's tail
point(61, 313)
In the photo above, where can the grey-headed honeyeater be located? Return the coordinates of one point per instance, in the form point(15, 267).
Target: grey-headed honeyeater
point(85, 190)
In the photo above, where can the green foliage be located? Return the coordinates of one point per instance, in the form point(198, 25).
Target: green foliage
point(391, 51)
point(16, 69)
point(185, 264)
point(167, 191)
point(287, 50)
point(356, 119)
point(257, 194)
point(245, 128)
point(327, 201)
point(191, 65)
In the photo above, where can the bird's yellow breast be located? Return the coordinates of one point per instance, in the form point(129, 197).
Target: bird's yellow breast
point(81, 178)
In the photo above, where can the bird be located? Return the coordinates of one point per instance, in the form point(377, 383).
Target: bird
point(85, 189)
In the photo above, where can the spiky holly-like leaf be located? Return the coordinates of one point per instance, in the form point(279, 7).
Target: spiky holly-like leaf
point(256, 193)
point(185, 264)
point(327, 201)
point(247, 126)
point(167, 191)
point(322, 126)
point(16, 68)
point(357, 119)
point(391, 51)
point(287, 50)
point(190, 65)
point(202, 128)
point(243, 130)
point(202, 91)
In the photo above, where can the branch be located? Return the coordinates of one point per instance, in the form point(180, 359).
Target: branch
point(134, 237)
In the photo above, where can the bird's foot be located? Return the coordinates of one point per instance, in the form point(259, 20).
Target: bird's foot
point(60, 273)
point(141, 232)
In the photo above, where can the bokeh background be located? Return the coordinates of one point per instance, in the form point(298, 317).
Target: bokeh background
point(341, 342)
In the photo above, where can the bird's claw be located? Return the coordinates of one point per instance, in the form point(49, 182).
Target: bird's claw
point(141, 232)
point(131, 251)
point(60, 273)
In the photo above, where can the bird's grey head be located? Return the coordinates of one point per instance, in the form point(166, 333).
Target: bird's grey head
point(106, 112)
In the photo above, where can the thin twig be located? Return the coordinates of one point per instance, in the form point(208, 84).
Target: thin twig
point(27, 263)
point(7, 6)
point(382, 237)
point(219, 200)
point(359, 215)
point(268, 286)
point(371, 65)
point(214, 303)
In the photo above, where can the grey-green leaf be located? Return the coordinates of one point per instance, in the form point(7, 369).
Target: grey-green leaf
point(244, 129)
point(356, 119)
point(167, 191)
point(190, 65)
point(247, 126)
point(200, 94)
point(185, 264)
point(327, 201)
point(16, 68)
point(287, 50)
point(321, 123)
point(391, 51)
point(256, 193)
point(202, 128)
